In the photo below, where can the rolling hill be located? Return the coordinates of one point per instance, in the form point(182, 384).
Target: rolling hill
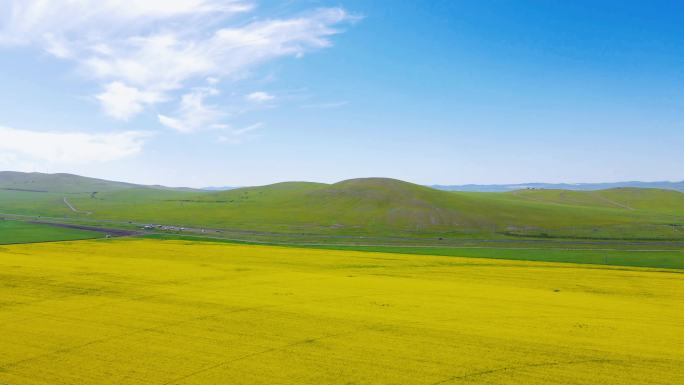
point(66, 183)
point(58, 183)
point(370, 206)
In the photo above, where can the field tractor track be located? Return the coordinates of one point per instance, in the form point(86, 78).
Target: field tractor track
point(74, 209)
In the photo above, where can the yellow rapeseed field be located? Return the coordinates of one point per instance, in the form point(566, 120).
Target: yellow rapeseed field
point(173, 312)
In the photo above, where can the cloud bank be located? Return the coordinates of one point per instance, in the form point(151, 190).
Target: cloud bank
point(69, 147)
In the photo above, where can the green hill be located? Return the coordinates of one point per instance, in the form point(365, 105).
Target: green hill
point(59, 183)
point(378, 206)
point(66, 183)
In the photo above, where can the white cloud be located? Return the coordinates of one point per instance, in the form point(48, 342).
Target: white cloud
point(194, 115)
point(144, 52)
point(259, 97)
point(122, 102)
point(174, 123)
point(69, 147)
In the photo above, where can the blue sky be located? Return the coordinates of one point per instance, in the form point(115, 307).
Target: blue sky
point(246, 92)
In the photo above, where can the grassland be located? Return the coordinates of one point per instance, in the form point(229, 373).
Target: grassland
point(24, 232)
point(177, 312)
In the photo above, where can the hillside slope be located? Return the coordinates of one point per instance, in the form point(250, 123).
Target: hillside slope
point(58, 183)
point(666, 201)
point(65, 183)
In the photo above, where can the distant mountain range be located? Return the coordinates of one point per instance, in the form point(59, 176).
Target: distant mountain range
point(677, 186)
point(218, 188)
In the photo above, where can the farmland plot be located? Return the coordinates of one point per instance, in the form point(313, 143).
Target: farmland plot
point(25, 232)
point(175, 312)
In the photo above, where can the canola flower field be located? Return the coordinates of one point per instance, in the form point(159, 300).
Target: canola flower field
point(177, 312)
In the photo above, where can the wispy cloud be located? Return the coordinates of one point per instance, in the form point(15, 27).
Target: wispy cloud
point(69, 147)
point(239, 135)
point(143, 53)
point(32, 21)
point(323, 106)
point(259, 97)
point(194, 114)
